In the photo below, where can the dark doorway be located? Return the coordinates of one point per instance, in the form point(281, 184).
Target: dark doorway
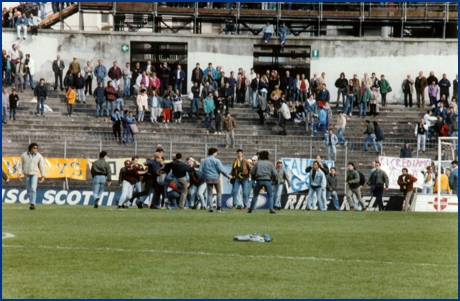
point(159, 52)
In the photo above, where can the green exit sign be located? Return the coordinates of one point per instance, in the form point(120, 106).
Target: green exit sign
point(315, 54)
point(124, 48)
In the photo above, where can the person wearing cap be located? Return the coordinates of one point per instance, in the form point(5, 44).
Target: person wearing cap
point(211, 168)
point(241, 170)
point(264, 173)
point(74, 68)
point(102, 175)
point(281, 179)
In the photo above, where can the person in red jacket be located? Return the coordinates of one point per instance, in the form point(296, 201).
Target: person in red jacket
point(115, 74)
point(406, 184)
point(110, 95)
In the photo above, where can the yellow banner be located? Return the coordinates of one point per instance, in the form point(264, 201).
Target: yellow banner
point(56, 168)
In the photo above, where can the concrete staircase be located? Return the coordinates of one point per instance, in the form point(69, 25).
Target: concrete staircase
point(83, 135)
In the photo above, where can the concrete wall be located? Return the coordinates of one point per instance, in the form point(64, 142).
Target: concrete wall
point(394, 58)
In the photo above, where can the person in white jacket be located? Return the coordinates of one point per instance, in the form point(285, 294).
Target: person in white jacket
point(284, 114)
point(31, 163)
point(267, 31)
point(420, 132)
point(141, 79)
point(142, 105)
point(429, 121)
point(154, 106)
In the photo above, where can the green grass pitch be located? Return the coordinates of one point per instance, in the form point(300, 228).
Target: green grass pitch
point(81, 252)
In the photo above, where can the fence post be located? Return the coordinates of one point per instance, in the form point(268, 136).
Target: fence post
point(311, 149)
point(276, 152)
point(205, 149)
point(170, 150)
point(66, 181)
point(135, 145)
point(346, 169)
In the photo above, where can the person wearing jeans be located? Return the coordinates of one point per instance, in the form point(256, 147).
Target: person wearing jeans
point(102, 175)
point(341, 124)
point(420, 132)
point(211, 168)
point(331, 188)
point(268, 31)
point(32, 162)
point(127, 75)
point(370, 136)
point(209, 108)
point(283, 31)
point(41, 94)
point(263, 173)
point(196, 99)
point(364, 94)
point(282, 178)
point(317, 183)
point(241, 170)
point(429, 179)
point(13, 103)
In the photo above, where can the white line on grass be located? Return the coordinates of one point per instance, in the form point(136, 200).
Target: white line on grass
point(233, 255)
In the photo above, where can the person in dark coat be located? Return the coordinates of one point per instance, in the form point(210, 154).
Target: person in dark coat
point(405, 152)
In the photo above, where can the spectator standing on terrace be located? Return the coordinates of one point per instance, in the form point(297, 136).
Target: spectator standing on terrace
point(99, 98)
point(242, 84)
point(100, 71)
point(141, 105)
point(120, 102)
point(374, 101)
point(177, 106)
point(229, 129)
point(18, 74)
point(267, 32)
point(102, 175)
point(127, 121)
point(323, 96)
point(14, 99)
point(342, 88)
point(127, 75)
point(196, 99)
point(110, 94)
point(5, 104)
point(432, 78)
point(255, 84)
point(74, 68)
point(41, 94)
point(178, 78)
point(421, 130)
point(384, 89)
point(116, 125)
point(283, 31)
point(29, 71)
point(453, 177)
point(88, 69)
point(330, 142)
point(32, 163)
point(364, 94)
point(433, 90)
point(211, 168)
point(444, 85)
point(115, 74)
point(287, 85)
point(310, 111)
point(262, 108)
point(284, 115)
point(420, 86)
point(70, 97)
point(197, 74)
point(408, 89)
point(164, 75)
point(263, 173)
point(58, 67)
point(135, 75)
point(406, 151)
point(80, 86)
point(379, 182)
point(379, 137)
point(406, 185)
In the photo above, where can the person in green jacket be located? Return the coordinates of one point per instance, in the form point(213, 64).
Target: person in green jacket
point(208, 108)
point(384, 89)
point(364, 94)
